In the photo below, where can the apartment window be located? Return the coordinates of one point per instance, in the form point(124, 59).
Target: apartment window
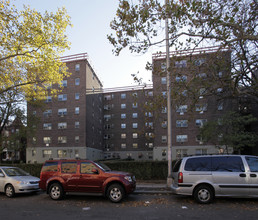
point(62, 125)
point(47, 126)
point(62, 139)
point(77, 81)
point(107, 126)
point(164, 139)
point(123, 106)
point(181, 153)
point(123, 125)
point(123, 145)
point(47, 140)
point(164, 109)
point(201, 108)
point(34, 112)
point(202, 75)
point(164, 124)
point(135, 125)
point(107, 136)
point(181, 138)
point(62, 112)
point(64, 83)
point(123, 136)
point(135, 105)
point(163, 67)
point(34, 140)
point(220, 106)
point(199, 62)
point(134, 94)
point(164, 152)
point(200, 122)
point(149, 114)
point(135, 135)
point(61, 154)
point(135, 115)
point(181, 63)
point(220, 74)
point(47, 153)
point(77, 96)
point(135, 145)
point(77, 110)
point(107, 117)
point(202, 93)
point(181, 109)
point(181, 78)
point(149, 125)
point(76, 139)
point(163, 80)
point(47, 113)
point(201, 151)
point(33, 153)
point(149, 93)
point(62, 97)
point(123, 96)
point(149, 145)
point(182, 123)
point(149, 135)
point(219, 90)
point(77, 67)
point(123, 116)
point(48, 99)
point(77, 124)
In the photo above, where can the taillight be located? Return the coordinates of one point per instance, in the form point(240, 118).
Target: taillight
point(180, 177)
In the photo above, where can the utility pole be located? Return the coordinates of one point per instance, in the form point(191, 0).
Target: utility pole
point(169, 115)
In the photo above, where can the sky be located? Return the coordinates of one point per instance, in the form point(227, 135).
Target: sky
point(91, 20)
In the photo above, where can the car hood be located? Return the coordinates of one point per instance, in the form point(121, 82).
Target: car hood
point(26, 178)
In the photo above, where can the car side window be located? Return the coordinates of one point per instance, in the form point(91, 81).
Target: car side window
point(177, 166)
point(86, 168)
point(198, 164)
point(227, 164)
point(69, 167)
point(50, 167)
point(252, 163)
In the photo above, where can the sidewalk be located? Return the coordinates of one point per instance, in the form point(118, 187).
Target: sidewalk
point(152, 187)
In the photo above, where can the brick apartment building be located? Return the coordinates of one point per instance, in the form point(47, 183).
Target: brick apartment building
point(131, 122)
point(71, 124)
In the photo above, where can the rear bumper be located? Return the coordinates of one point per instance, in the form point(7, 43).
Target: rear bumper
point(182, 190)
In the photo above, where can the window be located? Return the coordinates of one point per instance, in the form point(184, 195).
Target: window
point(47, 113)
point(47, 126)
point(48, 99)
point(67, 167)
point(252, 163)
point(220, 106)
point(76, 139)
point(181, 78)
point(149, 93)
point(134, 94)
point(164, 139)
point(64, 83)
point(77, 67)
point(149, 114)
point(201, 151)
point(149, 145)
point(77, 110)
point(77, 81)
point(164, 109)
point(181, 109)
point(149, 125)
point(87, 167)
point(62, 139)
point(107, 117)
point(107, 97)
point(47, 140)
point(198, 164)
point(123, 106)
point(107, 136)
point(181, 63)
point(202, 75)
point(135, 105)
point(181, 138)
point(181, 153)
point(202, 93)
point(123, 135)
point(77, 124)
point(47, 153)
point(200, 122)
point(220, 74)
point(227, 164)
point(62, 112)
point(219, 90)
point(34, 140)
point(62, 97)
point(77, 96)
point(201, 108)
point(135, 135)
point(182, 123)
point(163, 80)
point(50, 166)
point(123, 125)
point(135, 115)
point(123, 116)
point(163, 66)
point(62, 125)
point(135, 145)
point(135, 125)
point(199, 62)
point(149, 135)
point(123, 145)
point(164, 124)
point(123, 96)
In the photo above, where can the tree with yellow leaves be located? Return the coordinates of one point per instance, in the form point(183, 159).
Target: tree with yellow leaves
point(31, 44)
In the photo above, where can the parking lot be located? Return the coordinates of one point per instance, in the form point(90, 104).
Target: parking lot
point(135, 206)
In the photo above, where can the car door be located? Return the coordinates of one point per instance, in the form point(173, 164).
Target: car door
point(253, 174)
point(90, 179)
point(229, 176)
point(69, 175)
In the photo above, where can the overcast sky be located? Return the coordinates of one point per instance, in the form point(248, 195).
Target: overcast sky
point(91, 19)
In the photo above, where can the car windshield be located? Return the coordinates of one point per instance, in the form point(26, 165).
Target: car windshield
point(15, 172)
point(103, 166)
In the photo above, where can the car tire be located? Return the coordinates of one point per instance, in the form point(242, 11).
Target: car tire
point(203, 194)
point(9, 191)
point(115, 193)
point(56, 191)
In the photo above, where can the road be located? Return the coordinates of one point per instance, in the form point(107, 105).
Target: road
point(75, 207)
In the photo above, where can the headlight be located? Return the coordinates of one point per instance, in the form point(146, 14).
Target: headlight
point(128, 178)
point(22, 182)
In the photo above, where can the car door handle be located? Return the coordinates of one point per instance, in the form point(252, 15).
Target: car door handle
point(242, 175)
point(253, 175)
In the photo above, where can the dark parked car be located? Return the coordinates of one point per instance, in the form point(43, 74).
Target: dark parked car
point(62, 176)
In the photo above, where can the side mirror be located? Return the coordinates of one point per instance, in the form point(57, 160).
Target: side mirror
point(95, 171)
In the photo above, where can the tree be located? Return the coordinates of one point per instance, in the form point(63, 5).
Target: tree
point(31, 44)
point(228, 24)
point(231, 131)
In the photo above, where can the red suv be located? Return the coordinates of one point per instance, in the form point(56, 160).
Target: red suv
point(60, 176)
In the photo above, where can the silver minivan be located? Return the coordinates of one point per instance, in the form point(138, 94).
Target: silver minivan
point(207, 177)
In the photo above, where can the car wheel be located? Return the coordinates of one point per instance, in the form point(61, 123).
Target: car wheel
point(203, 194)
point(116, 193)
point(56, 191)
point(9, 191)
